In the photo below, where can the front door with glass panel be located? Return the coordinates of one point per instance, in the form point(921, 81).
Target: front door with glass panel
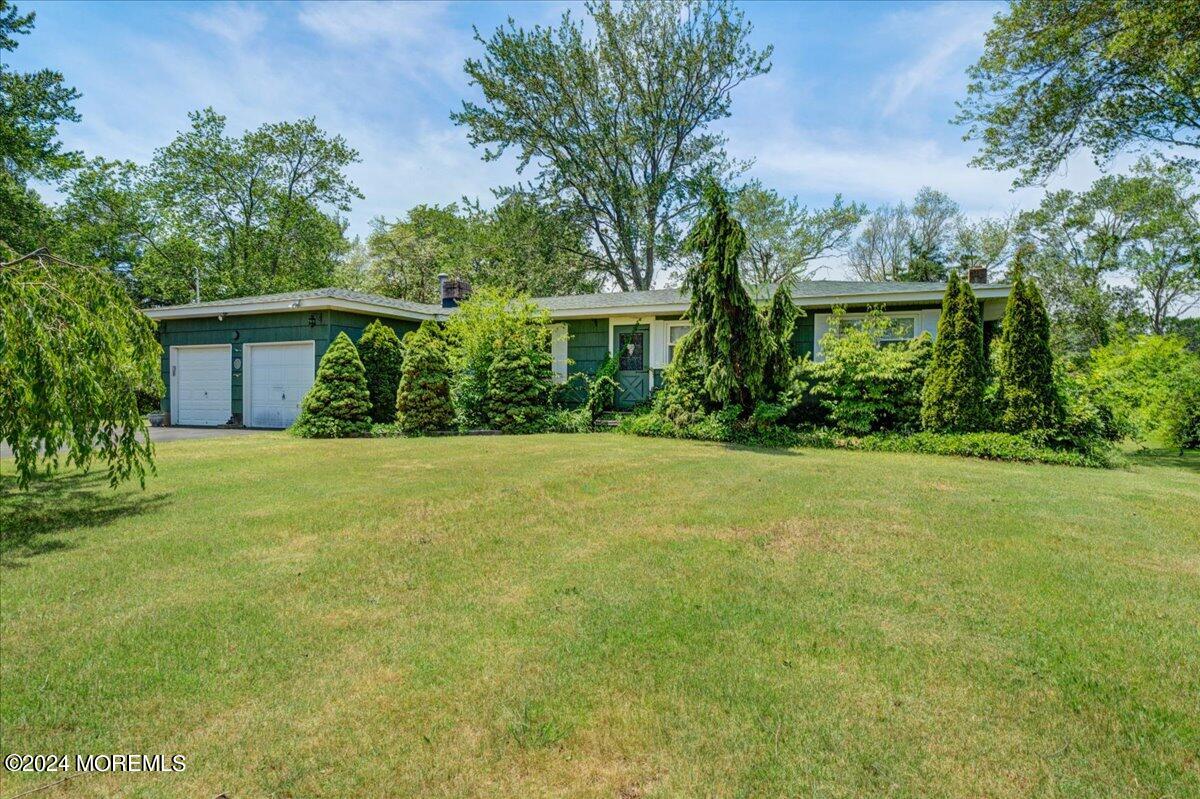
point(631, 343)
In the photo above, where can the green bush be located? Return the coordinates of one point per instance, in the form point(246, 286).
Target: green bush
point(682, 400)
point(338, 405)
point(1026, 397)
point(423, 402)
point(863, 386)
point(778, 326)
point(602, 388)
point(993, 446)
point(381, 353)
point(953, 394)
point(488, 317)
point(520, 379)
point(567, 420)
point(1152, 384)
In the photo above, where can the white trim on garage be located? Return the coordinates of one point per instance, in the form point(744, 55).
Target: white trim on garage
point(248, 350)
point(223, 412)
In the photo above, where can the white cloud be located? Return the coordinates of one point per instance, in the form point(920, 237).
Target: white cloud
point(236, 23)
point(952, 35)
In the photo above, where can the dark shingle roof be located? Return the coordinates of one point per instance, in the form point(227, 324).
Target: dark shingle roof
point(313, 294)
point(808, 292)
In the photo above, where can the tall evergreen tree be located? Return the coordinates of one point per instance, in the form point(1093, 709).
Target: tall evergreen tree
point(381, 354)
point(779, 324)
point(1026, 395)
point(953, 397)
point(519, 381)
point(338, 405)
point(726, 323)
point(423, 402)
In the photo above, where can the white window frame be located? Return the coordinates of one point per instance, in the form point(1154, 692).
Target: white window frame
point(924, 321)
point(667, 346)
point(560, 338)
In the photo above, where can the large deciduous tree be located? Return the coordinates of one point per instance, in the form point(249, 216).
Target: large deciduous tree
point(784, 239)
point(523, 244)
point(917, 242)
point(32, 105)
point(619, 120)
point(1124, 251)
point(1105, 75)
point(74, 352)
point(219, 215)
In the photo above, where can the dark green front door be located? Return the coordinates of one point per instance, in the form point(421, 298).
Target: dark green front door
point(631, 343)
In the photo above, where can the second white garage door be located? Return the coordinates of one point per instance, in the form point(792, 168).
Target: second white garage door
point(277, 378)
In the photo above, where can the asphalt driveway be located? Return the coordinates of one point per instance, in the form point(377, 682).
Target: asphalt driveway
point(160, 435)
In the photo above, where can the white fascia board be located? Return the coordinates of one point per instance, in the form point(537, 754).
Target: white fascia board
point(620, 310)
point(986, 293)
point(283, 306)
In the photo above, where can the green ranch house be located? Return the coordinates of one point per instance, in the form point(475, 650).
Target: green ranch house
point(249, 361)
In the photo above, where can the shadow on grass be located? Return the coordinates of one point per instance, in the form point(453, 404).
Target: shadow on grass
point(32, 522)
point(763, 449)
point(1173, 458)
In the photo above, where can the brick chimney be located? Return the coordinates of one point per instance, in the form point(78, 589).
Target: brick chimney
point(453, 291)
point(977, 274)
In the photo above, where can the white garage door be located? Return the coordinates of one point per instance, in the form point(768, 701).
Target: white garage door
point(201, 385)
point(277, 378)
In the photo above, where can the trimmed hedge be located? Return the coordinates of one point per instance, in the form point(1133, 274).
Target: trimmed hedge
point(724, 427)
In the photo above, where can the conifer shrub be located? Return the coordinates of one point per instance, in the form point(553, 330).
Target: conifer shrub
point(338, 405)
point(423, 403)
point(726, 323)
point(953, 399)
point(1026, 396)
point(381, 353)
point(519, 384)
point(778, 326)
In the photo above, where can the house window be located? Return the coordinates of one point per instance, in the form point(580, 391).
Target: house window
point(558, 351)
point(675, 331)
point(900, 328)
point(631, 357)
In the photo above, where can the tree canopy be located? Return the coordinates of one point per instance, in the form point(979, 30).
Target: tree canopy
point(1103, 75)
point(617, 121)
point(32, 106)
point(217, 215)
point(74, 352)
point(784, 239)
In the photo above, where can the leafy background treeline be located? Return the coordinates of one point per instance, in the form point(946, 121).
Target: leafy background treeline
point(611, 116)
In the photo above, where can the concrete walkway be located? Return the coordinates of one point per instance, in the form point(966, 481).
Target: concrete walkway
point(160, 435)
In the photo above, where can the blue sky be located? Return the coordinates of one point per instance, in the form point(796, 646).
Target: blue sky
point(858, 100)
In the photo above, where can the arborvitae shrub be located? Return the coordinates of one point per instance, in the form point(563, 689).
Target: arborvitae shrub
point(338, 405)
point(778, 326)
point(955, 386)
point(423, 402)
point(519, 384)
point(381, 354)
point(1026, 396)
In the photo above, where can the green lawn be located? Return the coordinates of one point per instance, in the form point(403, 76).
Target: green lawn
point(607, 616)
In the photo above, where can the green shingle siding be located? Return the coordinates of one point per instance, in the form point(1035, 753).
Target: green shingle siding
point(318, 326)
